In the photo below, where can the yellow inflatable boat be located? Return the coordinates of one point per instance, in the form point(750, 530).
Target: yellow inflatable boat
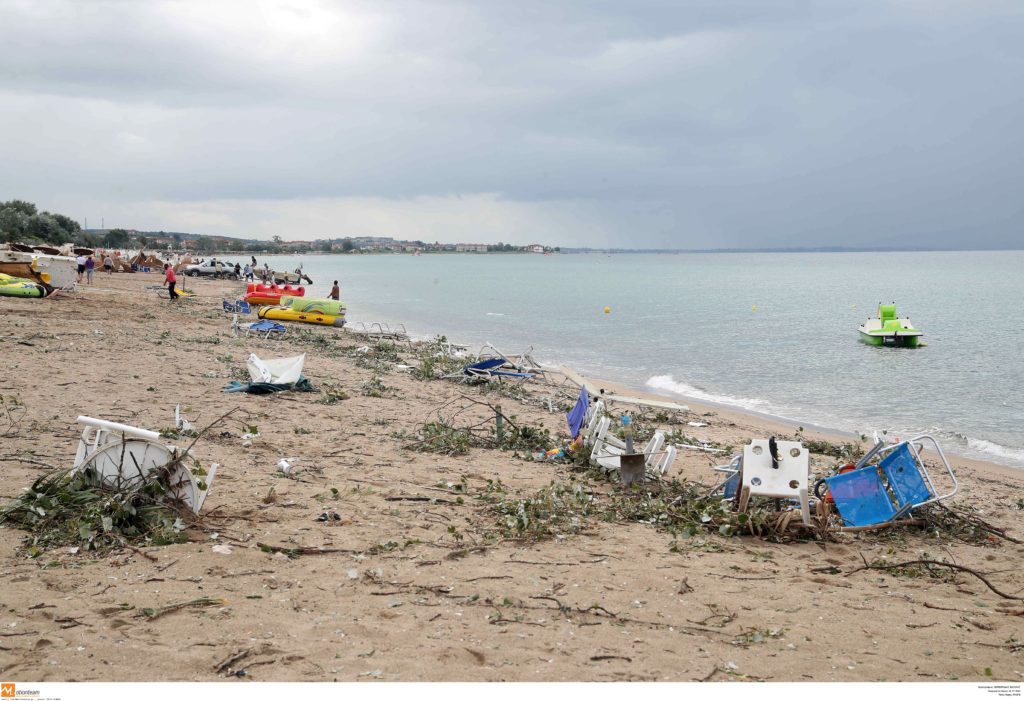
point(330, 307)
point(288, 314)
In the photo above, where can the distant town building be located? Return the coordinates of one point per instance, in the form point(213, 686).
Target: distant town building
point(471, 247)
point(535, 248)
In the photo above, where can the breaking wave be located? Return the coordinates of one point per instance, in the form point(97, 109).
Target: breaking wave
point(666, 383)
point(1016, 455)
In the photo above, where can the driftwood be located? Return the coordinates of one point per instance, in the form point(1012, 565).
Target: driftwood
point(936, 563)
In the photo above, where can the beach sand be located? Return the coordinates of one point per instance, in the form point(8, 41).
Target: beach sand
point(397, 589)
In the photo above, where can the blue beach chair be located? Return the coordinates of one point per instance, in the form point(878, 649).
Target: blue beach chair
point(493, 368)
point(238, 307)
point(731, 485)
point(578, 415)
point(877, 494)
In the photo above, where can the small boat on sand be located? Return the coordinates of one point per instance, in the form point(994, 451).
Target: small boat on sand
point(20, 287)
point(289, 314)
point(889, 330)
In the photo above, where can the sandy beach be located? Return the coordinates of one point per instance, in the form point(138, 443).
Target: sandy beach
point(416, 579)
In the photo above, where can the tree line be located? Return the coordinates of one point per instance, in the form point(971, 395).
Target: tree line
point(22, 221)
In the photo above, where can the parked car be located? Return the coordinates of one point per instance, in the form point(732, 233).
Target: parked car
point(212, 268)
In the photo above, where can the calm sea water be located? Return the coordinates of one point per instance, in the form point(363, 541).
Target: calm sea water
point(774, 333)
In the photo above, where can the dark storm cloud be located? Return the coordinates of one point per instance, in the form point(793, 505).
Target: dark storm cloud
point(646, 124)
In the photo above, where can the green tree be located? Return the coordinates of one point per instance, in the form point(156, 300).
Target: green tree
point(45, 228)
point(346, 246)
point(204, 244)
point(88, 240)
point(69, 225)
point(116, 238)
point(26, 208)
point(143, 241)
point(13, 223)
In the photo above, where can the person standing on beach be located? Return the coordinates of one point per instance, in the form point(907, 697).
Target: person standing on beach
point(80, 262)
point(335, 292)
point(89, 265)
point(170, 278)
point(108, 264)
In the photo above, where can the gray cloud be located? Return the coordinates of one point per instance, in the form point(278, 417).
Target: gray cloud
point(588, 123)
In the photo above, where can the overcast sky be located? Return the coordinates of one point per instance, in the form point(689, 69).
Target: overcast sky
point(690, 124)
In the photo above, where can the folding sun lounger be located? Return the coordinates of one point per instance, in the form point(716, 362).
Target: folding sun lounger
point(493, 368)
point(266, 328)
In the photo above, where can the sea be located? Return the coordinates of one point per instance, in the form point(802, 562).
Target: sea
point(772, 333)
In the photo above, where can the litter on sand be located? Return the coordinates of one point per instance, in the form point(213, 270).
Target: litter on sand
point(273, 375)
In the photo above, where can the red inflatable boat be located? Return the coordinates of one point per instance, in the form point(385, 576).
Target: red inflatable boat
point(256, 293)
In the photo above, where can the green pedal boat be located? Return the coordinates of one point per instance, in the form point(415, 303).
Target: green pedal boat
point(889, 330)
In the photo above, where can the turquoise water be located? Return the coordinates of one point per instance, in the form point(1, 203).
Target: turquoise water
point(770, 332)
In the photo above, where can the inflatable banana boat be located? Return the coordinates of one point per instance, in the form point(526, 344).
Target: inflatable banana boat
point(308, 306)
point(256, 293)
point(288, 314)
point(11, 286)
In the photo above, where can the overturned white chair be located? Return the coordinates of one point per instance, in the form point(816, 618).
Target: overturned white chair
point(608, 449)
point(590, 421)
point(123, 457)
point(775, 469)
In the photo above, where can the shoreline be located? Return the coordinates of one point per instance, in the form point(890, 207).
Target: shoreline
point(779, 426)
point(770, 423)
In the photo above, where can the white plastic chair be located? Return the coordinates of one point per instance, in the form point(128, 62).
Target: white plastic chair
point(607, 450)
point(123, 456)
point(783, 475)
point(664, 464)
point(591, 420)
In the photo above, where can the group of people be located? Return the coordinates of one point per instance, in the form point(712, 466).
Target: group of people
point(251, 270)
point(171, 279)
point(86, 265)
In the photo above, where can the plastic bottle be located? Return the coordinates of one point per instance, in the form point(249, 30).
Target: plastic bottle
point(627, 432)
